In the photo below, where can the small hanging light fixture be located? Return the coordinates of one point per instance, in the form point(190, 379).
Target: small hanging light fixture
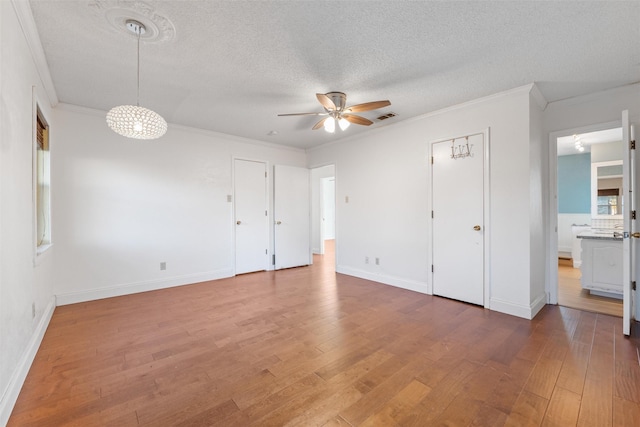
point(134, 121)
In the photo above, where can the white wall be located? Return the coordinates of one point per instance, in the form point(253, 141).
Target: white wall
point(22, 283)
point(538, 184)
point(123, 206)
point(385, 174)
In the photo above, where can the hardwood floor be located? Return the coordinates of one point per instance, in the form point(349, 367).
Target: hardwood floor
point(308, 347)
point(571, 294)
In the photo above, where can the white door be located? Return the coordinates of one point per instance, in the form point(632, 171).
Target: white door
point(629, 245)
point(458, 218)
point(292, 217)
point(251, 222)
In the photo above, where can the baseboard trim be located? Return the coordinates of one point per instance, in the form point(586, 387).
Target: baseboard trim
point(398, 282)
point(524, 311)
point(137, 287)
point(8, 400)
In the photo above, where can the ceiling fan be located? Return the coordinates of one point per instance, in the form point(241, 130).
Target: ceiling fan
point(335, 108)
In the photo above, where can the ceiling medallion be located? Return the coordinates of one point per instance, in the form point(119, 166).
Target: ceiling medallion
point(118, 12)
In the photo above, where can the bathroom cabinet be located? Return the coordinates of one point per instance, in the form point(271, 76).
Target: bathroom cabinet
point(601, 264)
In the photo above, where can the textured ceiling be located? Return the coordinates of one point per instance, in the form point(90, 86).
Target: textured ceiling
point(232, 66)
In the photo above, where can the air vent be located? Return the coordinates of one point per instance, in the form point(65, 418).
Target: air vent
point(386, 116)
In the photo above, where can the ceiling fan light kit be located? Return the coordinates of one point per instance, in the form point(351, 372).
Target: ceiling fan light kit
point(133, 121)
point(334, 104)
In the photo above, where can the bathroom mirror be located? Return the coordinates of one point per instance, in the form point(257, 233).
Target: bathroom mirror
point(606, 190)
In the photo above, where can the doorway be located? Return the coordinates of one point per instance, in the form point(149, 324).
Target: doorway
point(323, 210)
point(588, 201)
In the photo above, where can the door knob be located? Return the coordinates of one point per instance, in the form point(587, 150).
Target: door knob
point(238, 222)
point(278, 222)
point(476, 227)
point(636, 235)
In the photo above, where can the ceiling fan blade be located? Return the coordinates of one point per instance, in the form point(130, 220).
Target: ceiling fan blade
point(326, 102)
point(304, 114)
point(319, 124)
point(359, 120)
point(368, 106)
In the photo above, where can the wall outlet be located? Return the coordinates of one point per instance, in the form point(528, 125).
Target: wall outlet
point(366, 260)
point(163, 265)
point(346, 199)
point(229, 198)
point(33, 310)
point(377, 261)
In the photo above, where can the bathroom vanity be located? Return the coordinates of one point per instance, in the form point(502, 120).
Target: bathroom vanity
point(601, 263)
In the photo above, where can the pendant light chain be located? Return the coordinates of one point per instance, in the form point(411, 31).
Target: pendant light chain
point(139, 31)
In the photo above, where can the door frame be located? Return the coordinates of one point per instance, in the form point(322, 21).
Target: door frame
point(552, 261)
point(335, 177)
point(486, 211)
point(323, 206)
point(268, 205)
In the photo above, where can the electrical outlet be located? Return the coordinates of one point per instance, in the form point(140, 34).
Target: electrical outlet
point(163, 265)
point(33, 310)
point(377, 261)
point(366, 260)
point(229, 198)
point(346, 199)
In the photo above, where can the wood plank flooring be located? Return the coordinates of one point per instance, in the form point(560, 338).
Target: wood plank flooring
point(308, 347)
point(571, 294)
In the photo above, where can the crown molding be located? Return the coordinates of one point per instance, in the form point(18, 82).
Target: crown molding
point(28, 25)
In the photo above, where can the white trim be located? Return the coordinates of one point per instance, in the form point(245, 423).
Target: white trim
point(398, 282)
point(552, 261)
point(524, 311)
point(24, 364)
point(30, 31)
point(210, 133)
point(521, 89)
point(144, 286)
point(538, 97)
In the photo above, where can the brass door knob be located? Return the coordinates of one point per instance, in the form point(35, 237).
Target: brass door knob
point(278, 222)
point(238, 222)
point(477, 227)
point(636, 235)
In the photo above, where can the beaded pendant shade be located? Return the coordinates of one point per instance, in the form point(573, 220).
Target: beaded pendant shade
point(134, 121)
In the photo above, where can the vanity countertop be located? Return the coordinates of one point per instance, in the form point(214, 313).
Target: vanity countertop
point(601, 235)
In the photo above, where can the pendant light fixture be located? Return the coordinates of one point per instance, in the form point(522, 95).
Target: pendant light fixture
point(134, 121)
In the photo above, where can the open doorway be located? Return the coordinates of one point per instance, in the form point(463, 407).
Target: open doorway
point(589, 219)
point(323, 211)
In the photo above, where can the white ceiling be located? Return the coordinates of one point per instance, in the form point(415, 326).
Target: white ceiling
point(232, 66)
point(566, 144)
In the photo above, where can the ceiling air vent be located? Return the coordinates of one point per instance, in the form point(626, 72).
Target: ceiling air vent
point(386, 116)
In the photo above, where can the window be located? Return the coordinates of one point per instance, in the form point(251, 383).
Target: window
point(42, 184)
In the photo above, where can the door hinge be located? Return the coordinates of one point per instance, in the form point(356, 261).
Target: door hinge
point(265, 174)
point(265, 213)
point(431, 159)
point(633, 285)
point(632, 145)
point(273, 259)
point(633, 214)
point(431, 214)
point(432, 268)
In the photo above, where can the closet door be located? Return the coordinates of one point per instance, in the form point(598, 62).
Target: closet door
point(251, 221)
point(292, 217)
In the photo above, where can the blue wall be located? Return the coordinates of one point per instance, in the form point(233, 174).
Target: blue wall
point(574, 183)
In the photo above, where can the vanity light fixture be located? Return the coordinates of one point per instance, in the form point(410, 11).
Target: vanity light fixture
point(134, 121)
point(578, 143)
